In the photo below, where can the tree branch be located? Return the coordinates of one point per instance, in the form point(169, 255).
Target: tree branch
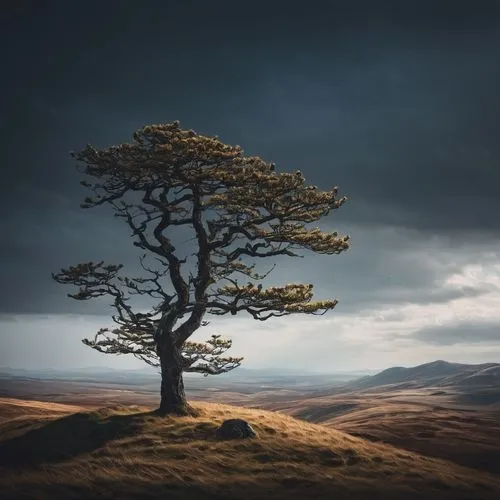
point(238, 207)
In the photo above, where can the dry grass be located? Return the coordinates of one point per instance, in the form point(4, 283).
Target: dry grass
point(427, 425)
point(128, 452)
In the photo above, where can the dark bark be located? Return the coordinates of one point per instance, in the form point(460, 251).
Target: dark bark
point(173, 397)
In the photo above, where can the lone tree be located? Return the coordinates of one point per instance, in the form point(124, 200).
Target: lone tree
point(239, 211)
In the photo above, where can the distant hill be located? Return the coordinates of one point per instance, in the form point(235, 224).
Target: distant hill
point(280, 378)
point(436, 374)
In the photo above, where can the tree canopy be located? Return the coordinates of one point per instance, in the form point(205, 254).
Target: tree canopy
point(240, 211)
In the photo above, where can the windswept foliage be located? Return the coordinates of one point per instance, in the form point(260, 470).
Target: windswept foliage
point(240, 211)
point(136, 331)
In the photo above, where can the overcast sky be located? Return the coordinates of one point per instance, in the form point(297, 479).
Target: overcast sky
point(395, 102)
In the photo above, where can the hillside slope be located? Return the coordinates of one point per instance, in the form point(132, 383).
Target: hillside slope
point(128, 452)
point(467, 437)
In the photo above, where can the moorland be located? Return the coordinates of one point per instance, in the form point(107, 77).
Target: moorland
point(428, 431)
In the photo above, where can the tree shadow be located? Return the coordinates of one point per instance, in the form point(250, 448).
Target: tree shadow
point(67, 437)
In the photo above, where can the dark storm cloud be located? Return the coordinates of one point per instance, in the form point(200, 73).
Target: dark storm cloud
point(461, 333)
point(411, 135)
point(390, 266)
point(396, 102)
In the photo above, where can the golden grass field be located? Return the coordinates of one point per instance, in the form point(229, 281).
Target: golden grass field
point(433, 425)
point(57, 451)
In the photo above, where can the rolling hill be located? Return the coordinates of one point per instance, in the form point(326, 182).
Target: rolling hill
point(439, 409)
point(49, 451)
point(435, 374)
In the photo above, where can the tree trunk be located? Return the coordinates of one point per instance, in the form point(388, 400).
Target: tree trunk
point(173, 397)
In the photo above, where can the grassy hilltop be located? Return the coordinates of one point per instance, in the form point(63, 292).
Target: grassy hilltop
point(54, 451)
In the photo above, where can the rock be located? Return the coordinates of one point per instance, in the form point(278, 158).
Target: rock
point(235, 428)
